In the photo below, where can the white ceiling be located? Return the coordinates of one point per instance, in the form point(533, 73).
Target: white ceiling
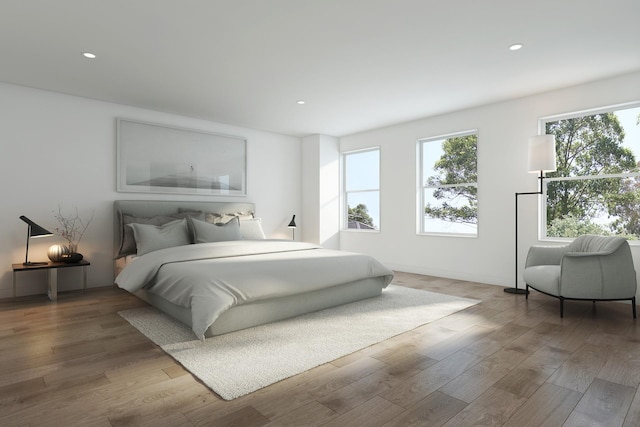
point(358, 64)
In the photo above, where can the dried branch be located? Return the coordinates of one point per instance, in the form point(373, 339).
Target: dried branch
point(72, 227)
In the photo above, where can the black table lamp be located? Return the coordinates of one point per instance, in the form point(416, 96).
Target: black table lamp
point(292, 226)
point(34, 230)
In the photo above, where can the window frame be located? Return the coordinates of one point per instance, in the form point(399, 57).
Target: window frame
point(542, 122)
point(345, 194)
point(421, 184)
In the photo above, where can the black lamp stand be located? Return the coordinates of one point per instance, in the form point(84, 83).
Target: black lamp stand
point(517, 290)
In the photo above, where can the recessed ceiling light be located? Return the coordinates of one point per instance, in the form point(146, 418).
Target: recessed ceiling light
point(301, 102)
point(516, 46)
point(89, 55)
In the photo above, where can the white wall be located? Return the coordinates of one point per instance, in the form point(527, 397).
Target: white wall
point(503, 132)
point(62, 149)
point(321, 190)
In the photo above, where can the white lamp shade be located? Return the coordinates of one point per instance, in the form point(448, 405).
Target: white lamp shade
point(542, 153)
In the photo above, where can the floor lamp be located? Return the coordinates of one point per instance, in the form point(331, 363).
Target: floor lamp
point(542, 158)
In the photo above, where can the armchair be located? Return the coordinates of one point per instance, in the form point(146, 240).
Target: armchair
point(596, 268)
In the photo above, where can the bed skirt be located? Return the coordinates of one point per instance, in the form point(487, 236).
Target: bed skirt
point(271, 310)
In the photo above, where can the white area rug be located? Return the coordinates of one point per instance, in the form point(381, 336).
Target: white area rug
point(241, 362)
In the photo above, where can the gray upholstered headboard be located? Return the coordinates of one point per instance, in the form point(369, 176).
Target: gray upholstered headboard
point(150, 208)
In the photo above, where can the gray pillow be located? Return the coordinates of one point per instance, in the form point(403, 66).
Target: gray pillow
point(151, 238)
point(128, 243)
point(252, 229)
point(203, 232)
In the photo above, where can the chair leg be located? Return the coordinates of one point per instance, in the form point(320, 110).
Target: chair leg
point(561, 307)
point(526, 294)
point(633, 306)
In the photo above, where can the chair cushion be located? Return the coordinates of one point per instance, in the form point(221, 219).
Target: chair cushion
point(545, 278)
point(592, 243)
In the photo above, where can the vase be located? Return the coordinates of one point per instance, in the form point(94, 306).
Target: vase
point(56, 252)
point(72, 257)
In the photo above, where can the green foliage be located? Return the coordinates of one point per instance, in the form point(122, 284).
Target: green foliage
point(626, 207)
point(457, 165)
point(570, 226)
point(592, 145)
point(360, 213)
point(446, 212)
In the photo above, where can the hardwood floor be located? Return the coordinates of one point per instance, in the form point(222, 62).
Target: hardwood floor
point(505, 361)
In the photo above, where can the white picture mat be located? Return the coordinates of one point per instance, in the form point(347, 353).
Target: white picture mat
point(154, 158)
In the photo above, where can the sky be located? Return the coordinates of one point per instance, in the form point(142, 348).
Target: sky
point(628, 119)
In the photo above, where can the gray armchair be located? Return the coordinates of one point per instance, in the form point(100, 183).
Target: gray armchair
point(595, 268)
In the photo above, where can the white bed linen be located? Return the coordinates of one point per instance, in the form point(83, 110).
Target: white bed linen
point(209, 278)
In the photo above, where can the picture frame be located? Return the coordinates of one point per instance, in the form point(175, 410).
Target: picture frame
point(154, 158)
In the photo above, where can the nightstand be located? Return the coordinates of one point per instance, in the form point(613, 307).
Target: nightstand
point(52, 275)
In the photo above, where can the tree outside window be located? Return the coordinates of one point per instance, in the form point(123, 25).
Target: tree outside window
point(449, 176)
point(596, 188)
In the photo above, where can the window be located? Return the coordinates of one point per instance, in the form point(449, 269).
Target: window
point(448, 184)
point(596, 188)
point(362, 189)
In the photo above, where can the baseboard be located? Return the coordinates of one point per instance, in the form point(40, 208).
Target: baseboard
point(449, 274)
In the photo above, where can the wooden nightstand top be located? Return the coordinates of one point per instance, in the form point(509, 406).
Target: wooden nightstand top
point(52, 274)
point(22, 267)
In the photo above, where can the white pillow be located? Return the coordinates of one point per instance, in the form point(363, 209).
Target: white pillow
point(204, 232)
point(251, 229)
point(218, 218)
point(151, 238)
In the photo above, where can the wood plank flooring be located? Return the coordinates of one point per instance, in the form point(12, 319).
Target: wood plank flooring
point(503, 362)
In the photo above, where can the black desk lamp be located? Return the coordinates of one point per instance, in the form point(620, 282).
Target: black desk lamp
point(292, 226)
point(34, 230)
point(542, 158)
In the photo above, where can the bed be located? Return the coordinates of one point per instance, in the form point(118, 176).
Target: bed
point(227, 276)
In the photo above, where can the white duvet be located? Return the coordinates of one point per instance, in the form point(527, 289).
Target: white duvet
point(209, 278)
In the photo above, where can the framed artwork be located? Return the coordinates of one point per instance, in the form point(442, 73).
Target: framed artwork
point(161, 159)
